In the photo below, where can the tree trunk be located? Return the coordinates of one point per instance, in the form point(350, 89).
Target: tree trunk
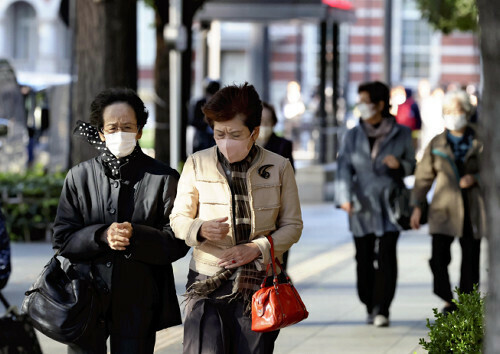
point(106, 56)
point(489, 17)
point(162, 83)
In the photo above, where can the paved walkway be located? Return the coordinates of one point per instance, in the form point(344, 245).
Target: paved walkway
point(323, 269)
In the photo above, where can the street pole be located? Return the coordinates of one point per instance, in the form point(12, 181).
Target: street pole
point(260, 59)
point(174, 30)
point(322, 98)
point(387, 41)
point(335, 86)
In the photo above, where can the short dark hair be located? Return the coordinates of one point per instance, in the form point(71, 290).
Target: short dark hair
point(270, 107)
point(233, 100)
point(114, 95)
point(212, 87)
point(378, 91)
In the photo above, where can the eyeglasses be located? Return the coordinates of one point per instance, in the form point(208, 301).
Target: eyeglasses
point(127, 128)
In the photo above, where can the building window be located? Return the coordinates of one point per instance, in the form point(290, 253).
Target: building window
point(24, 29)
point(416, 40)
point(409, 5)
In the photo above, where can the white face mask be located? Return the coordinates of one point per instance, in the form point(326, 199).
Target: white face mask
point(455, 122)
point(264, 133)
point(120, 143)
point(366, 110)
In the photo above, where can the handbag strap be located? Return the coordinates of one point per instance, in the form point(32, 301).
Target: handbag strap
point(273, 263)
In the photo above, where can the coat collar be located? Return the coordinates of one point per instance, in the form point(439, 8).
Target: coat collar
point(396, 128)
point(441, 143)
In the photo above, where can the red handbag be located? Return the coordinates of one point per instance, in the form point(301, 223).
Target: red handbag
point(276, 306)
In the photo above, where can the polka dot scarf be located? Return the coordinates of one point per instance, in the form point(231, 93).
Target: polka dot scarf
point(91, 134)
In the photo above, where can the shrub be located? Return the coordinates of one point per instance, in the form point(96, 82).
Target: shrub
point(461, 331)
point(29, 201)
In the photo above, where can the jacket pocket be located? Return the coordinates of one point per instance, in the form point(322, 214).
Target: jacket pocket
point(437, 216)
point(266, 218)
point(266, 196)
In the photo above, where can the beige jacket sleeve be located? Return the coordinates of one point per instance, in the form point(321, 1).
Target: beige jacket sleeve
point(183, 218)
point(289, 223)
point(424, 177)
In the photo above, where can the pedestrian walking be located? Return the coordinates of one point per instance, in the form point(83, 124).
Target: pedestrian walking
point(112, 225)
point(268, 138)
point(229, 198)
point(374, 157)
point(409, 112)
point(452, 161)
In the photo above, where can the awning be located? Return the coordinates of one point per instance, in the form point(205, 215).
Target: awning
point(276, 10)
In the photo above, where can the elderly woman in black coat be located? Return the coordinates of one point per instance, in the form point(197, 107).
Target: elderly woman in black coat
point(113, 221)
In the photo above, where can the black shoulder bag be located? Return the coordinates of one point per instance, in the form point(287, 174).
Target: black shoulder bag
point(62, 305)
point(397, 198)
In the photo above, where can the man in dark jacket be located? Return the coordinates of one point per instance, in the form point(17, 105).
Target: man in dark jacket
point(112, 224)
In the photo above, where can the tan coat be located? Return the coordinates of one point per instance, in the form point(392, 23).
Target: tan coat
point(446, 212)
point(203, 194)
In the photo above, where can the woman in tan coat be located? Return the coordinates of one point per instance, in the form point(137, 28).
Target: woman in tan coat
point(452, 159)
point(229, 198)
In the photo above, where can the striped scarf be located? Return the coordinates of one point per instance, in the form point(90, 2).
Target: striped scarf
point(248, 278)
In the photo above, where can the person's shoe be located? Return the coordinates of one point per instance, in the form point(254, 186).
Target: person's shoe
point(369, 318)
point(449, 308)
point(381, 321)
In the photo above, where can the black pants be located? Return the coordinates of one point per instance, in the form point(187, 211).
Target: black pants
point(441, 258)
point(377, 271)
point(119, 344)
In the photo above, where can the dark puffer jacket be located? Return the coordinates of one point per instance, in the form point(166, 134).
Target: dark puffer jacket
point(138, 283)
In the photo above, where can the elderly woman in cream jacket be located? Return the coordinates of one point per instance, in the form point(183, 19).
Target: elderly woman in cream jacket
point(229, 198)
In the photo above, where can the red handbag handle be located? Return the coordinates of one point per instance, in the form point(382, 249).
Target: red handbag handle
point(274, 260)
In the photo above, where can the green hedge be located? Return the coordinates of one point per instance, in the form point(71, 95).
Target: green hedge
point(29, 201)
point(461, 331)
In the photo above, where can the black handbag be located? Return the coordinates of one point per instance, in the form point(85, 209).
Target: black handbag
point(16, 332)
point(61, 304)
point(397, 197)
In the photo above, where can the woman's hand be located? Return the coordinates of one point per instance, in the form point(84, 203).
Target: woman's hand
point(347, 206)
point(391, 161)
point(239, 255)
point(118, 235)
point(214, 230)
point(415, 218)
point(467, 181)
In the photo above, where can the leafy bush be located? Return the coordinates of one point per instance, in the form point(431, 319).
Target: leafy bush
point(461, 331)
point(29, 201)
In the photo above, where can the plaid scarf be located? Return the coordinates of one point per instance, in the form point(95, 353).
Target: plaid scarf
point(248, 278)
point(112, 163)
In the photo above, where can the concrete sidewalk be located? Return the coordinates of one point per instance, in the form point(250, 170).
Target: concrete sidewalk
point(323, 269)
